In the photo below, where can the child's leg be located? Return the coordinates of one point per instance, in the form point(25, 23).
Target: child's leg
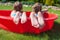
point(34, 20)
point(40, 19)
point(16, 20)
point(23, 18)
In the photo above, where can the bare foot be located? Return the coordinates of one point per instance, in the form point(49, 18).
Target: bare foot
point(36, 26)
point(41, 26)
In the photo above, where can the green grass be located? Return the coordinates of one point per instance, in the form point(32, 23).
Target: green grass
point(3, 7)
point(53, 34)
point(5, 35)
point(56, 12)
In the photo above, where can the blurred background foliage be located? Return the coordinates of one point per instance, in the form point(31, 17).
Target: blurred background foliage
point(29, 2)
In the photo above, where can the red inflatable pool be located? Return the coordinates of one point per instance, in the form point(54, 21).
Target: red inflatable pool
point(7, 23)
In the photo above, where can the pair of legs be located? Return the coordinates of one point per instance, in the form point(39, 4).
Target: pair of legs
point(37, 20)
point(17, 16)
point(22, 17)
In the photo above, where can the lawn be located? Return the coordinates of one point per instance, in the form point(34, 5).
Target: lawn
point(2, 7)
point(53, 34)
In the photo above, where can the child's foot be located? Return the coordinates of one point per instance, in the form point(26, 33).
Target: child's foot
point(41, 26)
point(16, 21)
point(22, 21)
point(36, 26)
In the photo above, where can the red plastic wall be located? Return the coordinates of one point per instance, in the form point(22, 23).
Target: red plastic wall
point(7, 23)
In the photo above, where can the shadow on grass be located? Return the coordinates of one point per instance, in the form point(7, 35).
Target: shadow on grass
point(53, 34)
